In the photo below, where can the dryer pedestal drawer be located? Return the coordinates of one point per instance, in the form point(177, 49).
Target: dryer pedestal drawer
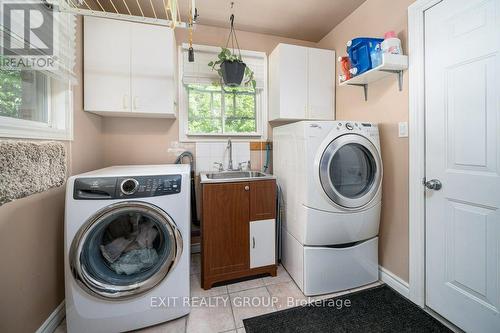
point(328, 270)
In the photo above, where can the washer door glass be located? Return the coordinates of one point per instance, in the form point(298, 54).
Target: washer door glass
point(125, 250)
point(350, 171)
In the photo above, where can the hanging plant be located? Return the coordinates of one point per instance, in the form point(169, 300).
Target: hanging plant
point(230, 67)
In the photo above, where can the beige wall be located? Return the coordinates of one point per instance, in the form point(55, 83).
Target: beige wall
point(147, 141)
point(31, 232)
point(386, 106)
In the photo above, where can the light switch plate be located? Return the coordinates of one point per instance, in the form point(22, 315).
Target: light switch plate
point(403, 129)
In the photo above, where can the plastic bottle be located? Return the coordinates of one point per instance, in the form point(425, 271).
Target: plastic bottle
point(391, 43)
point(345, 66)
point(376, 56)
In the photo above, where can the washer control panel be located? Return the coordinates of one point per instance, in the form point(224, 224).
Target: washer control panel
point(126, 187)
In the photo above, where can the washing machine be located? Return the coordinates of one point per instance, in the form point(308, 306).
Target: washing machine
point(127, 241)
point(331, 174)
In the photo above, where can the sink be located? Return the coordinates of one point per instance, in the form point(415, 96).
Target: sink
point(233, 176)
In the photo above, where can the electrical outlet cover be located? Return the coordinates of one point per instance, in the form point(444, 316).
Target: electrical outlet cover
point(403, 129)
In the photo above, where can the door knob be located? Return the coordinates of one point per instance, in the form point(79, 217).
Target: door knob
point(433, 184)
point(247, 188)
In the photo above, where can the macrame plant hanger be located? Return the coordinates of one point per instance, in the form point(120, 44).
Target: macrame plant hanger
point(232, 35)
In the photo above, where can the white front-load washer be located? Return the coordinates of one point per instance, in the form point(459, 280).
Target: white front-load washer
point(326, 169)
point(330, 173)
point(127, 235)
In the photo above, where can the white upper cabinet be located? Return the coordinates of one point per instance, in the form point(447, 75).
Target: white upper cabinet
point(288, 82)
point(106, 65)
point(129, 69)
point(301, 83)
point(321, 87)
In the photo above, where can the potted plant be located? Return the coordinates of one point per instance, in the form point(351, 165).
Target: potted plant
point(232, 69)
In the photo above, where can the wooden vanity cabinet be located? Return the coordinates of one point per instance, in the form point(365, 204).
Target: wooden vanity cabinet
point(238, 230)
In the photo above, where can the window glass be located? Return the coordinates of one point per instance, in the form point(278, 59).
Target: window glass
point(213, 110)
point(127, 248)
point(24, 95)
point(352, 170)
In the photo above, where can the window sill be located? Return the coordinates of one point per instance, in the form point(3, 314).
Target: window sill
point(26, 129)
point(220, 137)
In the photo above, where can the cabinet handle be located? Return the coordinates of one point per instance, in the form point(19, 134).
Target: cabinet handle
point(125, 104)
point(253, 242)
point(247, 188)
point(135, 102)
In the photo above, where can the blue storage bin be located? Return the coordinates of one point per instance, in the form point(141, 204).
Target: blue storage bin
point(359, 51)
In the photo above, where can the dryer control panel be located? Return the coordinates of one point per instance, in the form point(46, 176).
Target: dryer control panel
point(126, 187)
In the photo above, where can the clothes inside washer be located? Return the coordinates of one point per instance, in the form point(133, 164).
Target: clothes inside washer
point(135, 261)
point(128, 244)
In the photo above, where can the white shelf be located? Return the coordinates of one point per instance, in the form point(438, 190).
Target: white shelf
point(391, 64)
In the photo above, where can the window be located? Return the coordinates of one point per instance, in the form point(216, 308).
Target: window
point(213, 110)
point(34, 105)
point(23, 95)
point(36, 102)
point(208, 111)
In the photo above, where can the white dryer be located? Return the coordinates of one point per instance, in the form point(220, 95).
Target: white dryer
point(127, 234)
point(330, 173)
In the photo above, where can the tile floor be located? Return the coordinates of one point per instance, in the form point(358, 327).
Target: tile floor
point(228, 317)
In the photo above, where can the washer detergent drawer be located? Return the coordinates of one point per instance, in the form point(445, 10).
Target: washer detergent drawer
point(328, 270)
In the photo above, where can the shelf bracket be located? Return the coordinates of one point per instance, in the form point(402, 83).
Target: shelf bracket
point(399, 74)
point(365, 89)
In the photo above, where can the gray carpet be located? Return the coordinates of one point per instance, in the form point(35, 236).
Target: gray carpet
point(30, 167)
point(379, 309)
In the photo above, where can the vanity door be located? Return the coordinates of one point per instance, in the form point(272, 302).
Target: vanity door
point(225, 228)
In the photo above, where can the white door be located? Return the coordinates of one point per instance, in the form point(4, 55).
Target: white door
point(463, 153)
point(321, 87)
point(152, 67)
point(262, 243)
point(106, 65)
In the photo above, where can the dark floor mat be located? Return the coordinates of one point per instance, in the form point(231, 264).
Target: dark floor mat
point(379, 309)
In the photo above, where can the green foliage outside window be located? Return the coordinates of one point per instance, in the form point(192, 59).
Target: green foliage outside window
point(213, 110)
point(10, 93)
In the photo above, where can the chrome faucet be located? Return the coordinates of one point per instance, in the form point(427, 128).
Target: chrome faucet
point(230, 148)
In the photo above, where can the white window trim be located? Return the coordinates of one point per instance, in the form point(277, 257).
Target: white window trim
point(60, 96)
point(60, 105)
point(262, 123)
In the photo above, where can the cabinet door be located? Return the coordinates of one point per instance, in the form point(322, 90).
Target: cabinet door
point(321, 87)
point(106, 65)
point(153, 68)
point(225, 228)
point(293, 81)
point(262, 200)
point(262, 243)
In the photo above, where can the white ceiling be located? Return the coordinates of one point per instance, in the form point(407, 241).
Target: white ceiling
point(308, 20)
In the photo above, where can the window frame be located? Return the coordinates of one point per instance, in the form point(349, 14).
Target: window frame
point(261, 103)
point(60, 116)
point(59, 92)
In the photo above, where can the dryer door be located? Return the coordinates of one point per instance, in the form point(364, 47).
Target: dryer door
point(125, 250)
point(351, 171)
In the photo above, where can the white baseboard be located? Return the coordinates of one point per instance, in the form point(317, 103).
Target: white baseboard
point(55, 318)
point(394, 281)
